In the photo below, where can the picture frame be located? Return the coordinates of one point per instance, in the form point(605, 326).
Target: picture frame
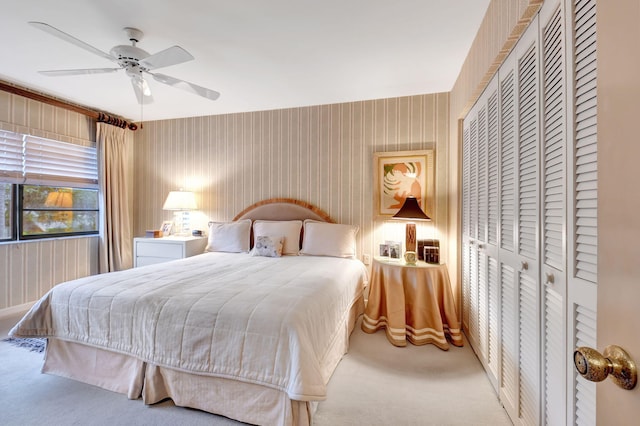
point(167, 225)
point(395, 250)
point(384, 250)
point(399, 174)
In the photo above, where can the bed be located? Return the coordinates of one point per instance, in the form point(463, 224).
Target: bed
point(252, 329)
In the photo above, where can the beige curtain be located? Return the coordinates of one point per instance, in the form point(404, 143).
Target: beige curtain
point(115, 179)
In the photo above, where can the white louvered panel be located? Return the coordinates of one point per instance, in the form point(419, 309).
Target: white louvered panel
point(482, 304)
point(585, 331)
point(10, 157)
point(473, 227)
point(528, 153)
point(529, 343)
point(493, 207)
point(466, 284)
point(585, 393)
point(585, 403)
point(554, 121)
point(465, 181)
point(481, 153)
point(494, 315)
point(465, 225)
point(509, 354)
point(473, 293)
point(586, 193)
point(582, 219)
point(554, 353)
point(554, 217)
point(473, 178)
point(507, 165)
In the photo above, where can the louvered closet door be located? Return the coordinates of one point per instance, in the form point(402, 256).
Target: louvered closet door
point(553, 204)
point(473, 226)
point(466, 242)
point(521, 341)
point(527, 225)
point(470, 224)
point(491, 250)
point(582, 185)
point(508, 264)
point(483, 253)
point(488, 213)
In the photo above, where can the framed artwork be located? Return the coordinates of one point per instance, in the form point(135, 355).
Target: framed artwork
point(400, 174)
point(166, 227)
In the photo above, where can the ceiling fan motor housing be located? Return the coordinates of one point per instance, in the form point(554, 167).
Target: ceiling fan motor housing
point(129, 56)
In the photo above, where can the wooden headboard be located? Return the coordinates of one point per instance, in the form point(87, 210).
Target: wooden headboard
point(283, 209)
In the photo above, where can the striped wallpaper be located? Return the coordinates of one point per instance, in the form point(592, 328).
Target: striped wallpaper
point(319, 154)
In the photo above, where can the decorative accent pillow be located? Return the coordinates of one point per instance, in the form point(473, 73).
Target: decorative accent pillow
point(267, 246)
point(287, 229)
point(233, 237)
point(329, 239)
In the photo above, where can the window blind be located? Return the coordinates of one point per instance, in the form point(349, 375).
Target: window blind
point(39, 161)
point(10, 157)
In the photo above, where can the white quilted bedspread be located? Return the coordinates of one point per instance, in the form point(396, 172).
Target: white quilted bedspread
point(270, 321)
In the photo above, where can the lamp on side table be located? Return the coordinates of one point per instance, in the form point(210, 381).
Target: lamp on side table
point(181, 202)
point(411, 212)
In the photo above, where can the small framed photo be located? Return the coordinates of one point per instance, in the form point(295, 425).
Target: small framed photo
point(384, 250)
point(395, 250)
point(166, 227)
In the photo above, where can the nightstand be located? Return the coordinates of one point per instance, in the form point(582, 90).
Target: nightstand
point(412, 302)
point(147, 251)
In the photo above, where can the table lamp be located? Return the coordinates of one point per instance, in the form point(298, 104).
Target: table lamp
point(411, 212)
point(182, 202)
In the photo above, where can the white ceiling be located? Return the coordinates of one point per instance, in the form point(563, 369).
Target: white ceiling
point(259, 54)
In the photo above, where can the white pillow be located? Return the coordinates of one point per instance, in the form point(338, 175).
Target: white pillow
point(329, 239)
point(233, 237)
point(267, 246)
point(289, 229)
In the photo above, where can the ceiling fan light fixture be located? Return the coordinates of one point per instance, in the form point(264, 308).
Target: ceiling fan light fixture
point(135, 62)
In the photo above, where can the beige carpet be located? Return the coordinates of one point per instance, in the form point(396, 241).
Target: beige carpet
point(375, 384)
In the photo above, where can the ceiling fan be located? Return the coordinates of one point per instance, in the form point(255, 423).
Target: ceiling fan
point(135, 62)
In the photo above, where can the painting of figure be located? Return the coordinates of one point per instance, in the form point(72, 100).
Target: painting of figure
point(399, 175)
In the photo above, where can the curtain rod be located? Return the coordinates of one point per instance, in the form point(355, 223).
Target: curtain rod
point(99, 116)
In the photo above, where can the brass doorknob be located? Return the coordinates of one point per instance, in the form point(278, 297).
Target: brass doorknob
point(613, 361)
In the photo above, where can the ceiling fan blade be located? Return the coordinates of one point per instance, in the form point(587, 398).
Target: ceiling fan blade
point(71, 39)
point(170, 56)
point(56, 73)
point(142, 90)
point(189, 87)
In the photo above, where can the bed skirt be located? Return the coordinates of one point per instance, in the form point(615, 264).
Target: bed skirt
point(246, 402)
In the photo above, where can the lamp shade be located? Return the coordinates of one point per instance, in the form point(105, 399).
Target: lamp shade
point(180, 200)
point(411, 210)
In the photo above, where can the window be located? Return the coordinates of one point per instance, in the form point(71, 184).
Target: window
point(7, 229)
point(48, 188)
point(56, 211)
